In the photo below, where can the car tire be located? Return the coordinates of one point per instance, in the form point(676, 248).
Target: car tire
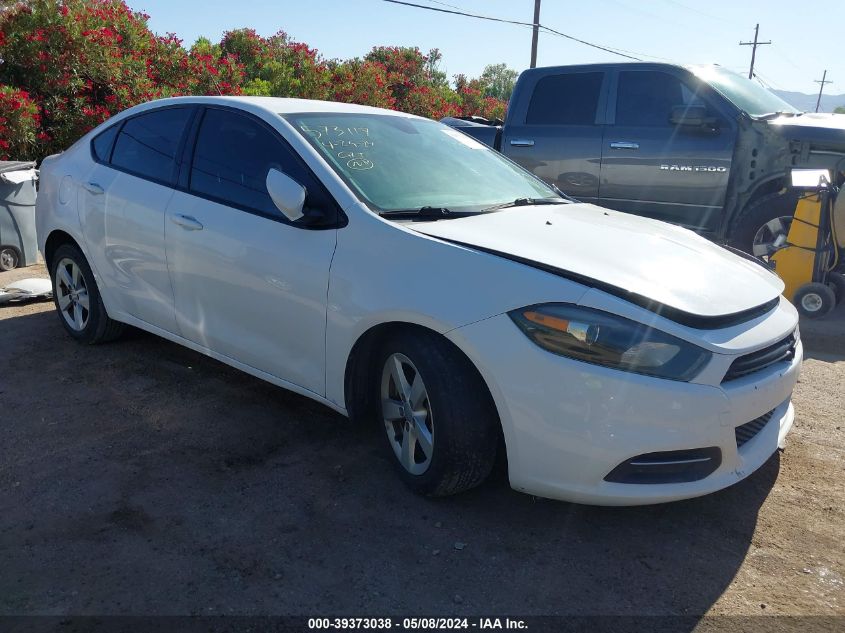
point(445, 441)
point(78, 302)
point(756, 228)
point(814, 300)
point(836, 281)
point(9, 258)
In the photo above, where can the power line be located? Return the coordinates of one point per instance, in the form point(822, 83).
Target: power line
point(699, 12)
point(444, 4)
point(754, 44)
point(520, 23)
point(586, 43)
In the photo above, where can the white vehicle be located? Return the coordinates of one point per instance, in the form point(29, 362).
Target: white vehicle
point(400, 272)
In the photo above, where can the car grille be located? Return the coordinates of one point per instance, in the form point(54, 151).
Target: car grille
point(783, 350)
point(749, 430)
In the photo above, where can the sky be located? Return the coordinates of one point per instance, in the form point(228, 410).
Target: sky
point(806, 36)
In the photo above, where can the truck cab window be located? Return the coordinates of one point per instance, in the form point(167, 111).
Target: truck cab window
point(646, 98)
point(565, 100)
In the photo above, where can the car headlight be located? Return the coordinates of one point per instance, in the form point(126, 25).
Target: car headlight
point(612, 341)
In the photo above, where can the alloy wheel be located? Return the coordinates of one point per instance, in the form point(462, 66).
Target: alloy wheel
point(72, 294)
point(407, 414)
point(771, 236)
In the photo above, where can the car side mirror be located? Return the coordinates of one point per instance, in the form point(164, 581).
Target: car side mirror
point(287, 194)
point(689, 116)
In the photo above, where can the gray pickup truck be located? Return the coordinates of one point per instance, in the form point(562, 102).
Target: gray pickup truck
point(698, 146)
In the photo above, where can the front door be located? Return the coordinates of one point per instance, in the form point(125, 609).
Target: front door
point(654, 168)
point(249, 284)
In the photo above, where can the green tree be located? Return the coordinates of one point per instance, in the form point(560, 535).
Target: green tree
point(498, 81)
point(840, 110)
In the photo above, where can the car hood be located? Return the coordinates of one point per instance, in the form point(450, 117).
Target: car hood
point(817, 127)
point(660, 262)
point(813, 119)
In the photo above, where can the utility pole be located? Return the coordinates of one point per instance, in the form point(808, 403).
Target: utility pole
point(754, 44)
point(821, 81)
point(535, 33)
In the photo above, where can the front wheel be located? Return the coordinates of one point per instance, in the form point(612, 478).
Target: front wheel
point(763, 226)
point(440, 423)
point(77, 298)
point(814, 300)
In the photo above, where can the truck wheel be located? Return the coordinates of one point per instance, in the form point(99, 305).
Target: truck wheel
point(439, 421)
point(757, 228)
point(836, 281)
point(9, 258)
point(814, 300)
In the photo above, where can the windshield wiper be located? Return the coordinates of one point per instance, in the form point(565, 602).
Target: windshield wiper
point(775, 115)
point(427, 212)
point(523, 202)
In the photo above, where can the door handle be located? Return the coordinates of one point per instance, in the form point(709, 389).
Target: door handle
point(624, 145)
point(522, 142)
point(186, 222)
point(94, 189)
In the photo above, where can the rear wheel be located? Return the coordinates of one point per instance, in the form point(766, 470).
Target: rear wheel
point(764, 225)
point(77, 298)
point(814, 300)
point(440, 424)
point(836, 281)
point(9, 258)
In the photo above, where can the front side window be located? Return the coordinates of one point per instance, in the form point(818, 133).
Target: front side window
point(647, 98)
point(565, 100)
point(147, 143)
point(399, 163)
point(232, 156)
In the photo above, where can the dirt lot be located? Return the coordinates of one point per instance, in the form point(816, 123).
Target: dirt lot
point(142, 478)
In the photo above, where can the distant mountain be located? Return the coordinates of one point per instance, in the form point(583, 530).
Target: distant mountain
point(807, 103)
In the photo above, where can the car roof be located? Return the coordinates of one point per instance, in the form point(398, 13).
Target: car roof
point(276, 105)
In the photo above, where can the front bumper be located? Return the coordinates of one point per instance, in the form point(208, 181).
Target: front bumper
point(568, 424)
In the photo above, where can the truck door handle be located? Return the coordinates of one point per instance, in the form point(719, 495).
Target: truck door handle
point(187, 222)
point(94, 189)
point(624, 145)
point(522, 142)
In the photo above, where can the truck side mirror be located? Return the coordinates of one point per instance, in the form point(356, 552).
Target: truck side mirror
point(689, 115)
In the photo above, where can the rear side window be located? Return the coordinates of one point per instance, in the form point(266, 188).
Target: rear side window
point(646, 98)
point(565, 100)
point(102, 144)
point(232, 156)
point(147, 144)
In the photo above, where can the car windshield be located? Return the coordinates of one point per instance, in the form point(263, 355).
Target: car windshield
point(743, 93)
point(398, 163)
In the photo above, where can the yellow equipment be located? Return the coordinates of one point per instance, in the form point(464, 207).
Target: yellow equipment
point(810, 261)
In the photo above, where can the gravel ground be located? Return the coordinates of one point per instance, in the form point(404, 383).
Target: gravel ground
point(139, 477)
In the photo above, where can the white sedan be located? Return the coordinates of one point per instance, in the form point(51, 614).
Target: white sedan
point(401, 273)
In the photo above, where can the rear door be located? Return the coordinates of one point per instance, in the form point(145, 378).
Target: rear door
point(248, 283)
point(653, 168)
point(556, 133)
point(124, 199)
